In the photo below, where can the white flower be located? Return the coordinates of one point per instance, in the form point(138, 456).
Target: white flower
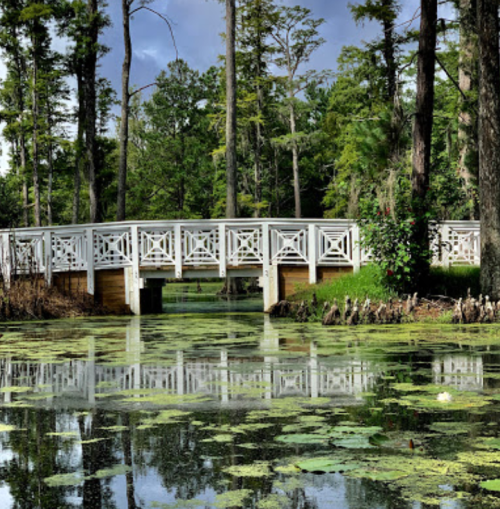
point(444, 397)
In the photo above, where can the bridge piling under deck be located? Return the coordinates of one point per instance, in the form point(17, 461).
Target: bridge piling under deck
point(122, 264)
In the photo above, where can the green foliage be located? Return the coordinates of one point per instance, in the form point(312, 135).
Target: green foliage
point(388, 235)
point(10, 212)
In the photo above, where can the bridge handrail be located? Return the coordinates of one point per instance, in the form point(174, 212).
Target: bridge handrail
point(224, 243)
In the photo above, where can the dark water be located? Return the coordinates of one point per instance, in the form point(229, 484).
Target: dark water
point(213, 411)
point(186, 298)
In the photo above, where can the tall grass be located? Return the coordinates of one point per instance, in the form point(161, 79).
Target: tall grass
point(454, 282)
point(367, 283)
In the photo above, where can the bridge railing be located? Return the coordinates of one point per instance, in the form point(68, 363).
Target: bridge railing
point(223, 243)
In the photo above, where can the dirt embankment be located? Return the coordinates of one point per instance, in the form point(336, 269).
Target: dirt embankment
point(30, 299)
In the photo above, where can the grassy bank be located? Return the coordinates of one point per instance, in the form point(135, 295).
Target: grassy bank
point(368, 283)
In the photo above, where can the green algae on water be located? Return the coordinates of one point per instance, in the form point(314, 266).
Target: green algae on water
point(234, 498)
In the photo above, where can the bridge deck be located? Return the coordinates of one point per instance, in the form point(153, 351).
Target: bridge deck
point(120, 257)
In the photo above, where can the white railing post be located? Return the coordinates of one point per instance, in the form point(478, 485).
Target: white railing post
point(5, 261)
point(135, 291)
point(266, 252)
point(47, 240)
point(270, 281)
point(222, 250)
point(313, 255)
point(356, 248)
point(90, 261)
point(178, 250)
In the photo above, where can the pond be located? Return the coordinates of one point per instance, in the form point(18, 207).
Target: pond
point(237, 410)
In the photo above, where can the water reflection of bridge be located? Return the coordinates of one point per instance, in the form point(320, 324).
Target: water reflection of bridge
point(463, 372)
point(227, 377)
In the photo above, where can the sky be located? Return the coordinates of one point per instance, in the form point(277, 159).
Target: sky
point(198, 25)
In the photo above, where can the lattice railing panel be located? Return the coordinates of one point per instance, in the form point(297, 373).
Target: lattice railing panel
point(289, 245)
point(201, 246)
point(463, 246)
point(244, 246)
point(157, 247)
point(27, 254)
point(69, 252)
point(112, 249)
point(335, 246)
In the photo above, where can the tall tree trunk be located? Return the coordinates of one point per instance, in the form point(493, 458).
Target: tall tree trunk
point(24, 170)
point(231, 162)
point(80, 150)
point(467, 141)
point(35, 112)
point(422, 135)
point(489, 145)
point(122, 170)
point(50, 165)
point(295, 156)
point(89, 71)
point(389, 51)
point(21, 72)
point(232, 286)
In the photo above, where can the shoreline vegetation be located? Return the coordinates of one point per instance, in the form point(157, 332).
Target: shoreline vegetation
point(30, 298)
point(364, 299)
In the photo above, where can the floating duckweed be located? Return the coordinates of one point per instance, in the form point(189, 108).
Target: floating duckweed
point(273, 501)
point(7, 428)
point(112, 471)
point(180, 504)
point(453, 428)
point(378, 475)
point(63, 434)
point(302, 439)
point(64, 479)
point(234, 498)
point(258, 469)
point(221, 438)
point(16, 389)
point(287, 469)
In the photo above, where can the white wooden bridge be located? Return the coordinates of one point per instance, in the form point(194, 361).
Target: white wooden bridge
point(117, 262)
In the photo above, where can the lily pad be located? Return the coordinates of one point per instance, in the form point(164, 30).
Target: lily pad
point(493, 485)
point(378, 475)
point(302, 439)
point(326, 466)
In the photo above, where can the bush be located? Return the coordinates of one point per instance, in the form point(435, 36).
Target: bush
point(388, 236)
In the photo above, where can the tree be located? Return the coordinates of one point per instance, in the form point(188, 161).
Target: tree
point(89, 69)
point(171, 169)
point(255, 25)
point(15, 90)
point(34, 15)
point(467, 118)
point(489, 145)
point(297, 37)
point(422, 137)
point(127, 13)
point(231, 121)
point(385, 12)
